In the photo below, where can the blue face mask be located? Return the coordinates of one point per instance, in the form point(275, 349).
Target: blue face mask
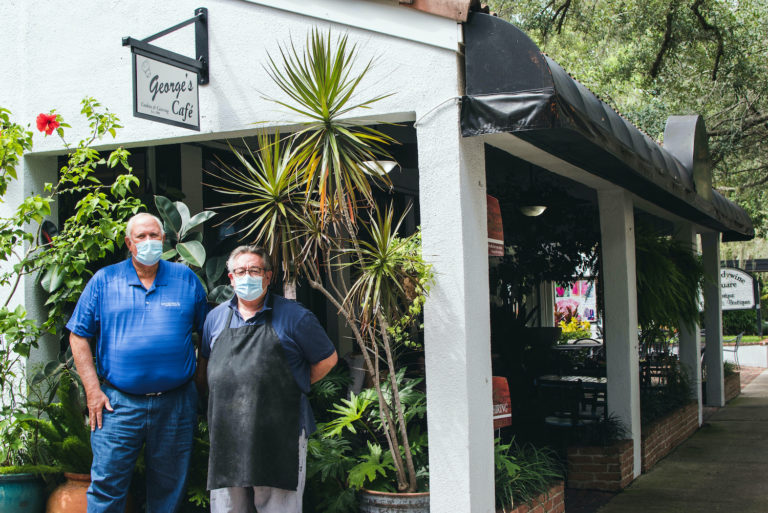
point(248, 287)
point(148, 252)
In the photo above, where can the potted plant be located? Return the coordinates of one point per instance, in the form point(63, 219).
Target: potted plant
point(347, 454)
point(308, 198)
point(58, 258)
point(66, 439)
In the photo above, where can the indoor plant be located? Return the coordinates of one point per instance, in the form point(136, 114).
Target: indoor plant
point(308, 198)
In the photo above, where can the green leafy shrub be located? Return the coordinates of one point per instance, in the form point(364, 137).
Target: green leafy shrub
point(523, 472)
point(347, 452)
point(66, 432)
point(737, 321)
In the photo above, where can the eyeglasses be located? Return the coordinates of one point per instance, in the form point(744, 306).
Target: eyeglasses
point(253, 272)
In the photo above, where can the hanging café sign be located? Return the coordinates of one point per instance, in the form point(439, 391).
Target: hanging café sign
point(165, 84)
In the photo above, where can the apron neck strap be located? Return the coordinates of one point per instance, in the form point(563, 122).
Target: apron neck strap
point(267, 316)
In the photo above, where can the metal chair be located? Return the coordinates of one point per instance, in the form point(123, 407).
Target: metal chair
point(735, 348)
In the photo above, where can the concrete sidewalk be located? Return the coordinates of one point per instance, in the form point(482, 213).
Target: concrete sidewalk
point(721, 468)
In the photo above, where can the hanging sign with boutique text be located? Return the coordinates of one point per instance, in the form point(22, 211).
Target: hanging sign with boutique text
point(502, 404)
point(165, 92)
point(495, 228)
point(737, 289)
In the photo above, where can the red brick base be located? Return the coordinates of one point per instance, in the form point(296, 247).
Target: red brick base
point(550, 502)
point(601, 468)
point(732, 385)
point(663, 435)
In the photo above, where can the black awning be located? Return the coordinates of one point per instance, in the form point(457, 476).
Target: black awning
point(512, 87)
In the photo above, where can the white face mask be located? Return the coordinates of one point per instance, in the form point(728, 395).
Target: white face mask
point(148, 252)
point(248, 287)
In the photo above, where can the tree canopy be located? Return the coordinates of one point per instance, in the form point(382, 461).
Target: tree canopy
point(651, 59)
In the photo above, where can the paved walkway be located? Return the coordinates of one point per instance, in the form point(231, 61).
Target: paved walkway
point(721, 468)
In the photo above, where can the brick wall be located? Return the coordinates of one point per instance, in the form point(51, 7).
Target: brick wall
point(665, 434)
point(550, 502)
point(732, 386)
point(601, 468)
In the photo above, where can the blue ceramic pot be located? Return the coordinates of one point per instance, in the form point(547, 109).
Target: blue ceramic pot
point(21, 493)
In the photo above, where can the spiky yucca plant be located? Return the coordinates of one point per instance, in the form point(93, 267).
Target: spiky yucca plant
point(307, 196)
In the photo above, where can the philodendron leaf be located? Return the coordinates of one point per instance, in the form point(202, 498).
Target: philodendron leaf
point(376, 462)
point(184, 213)
point(169, 213)
point(214, 267)
point(171, 253)
point(198, 219)
point(220, 294)
point(192, 252)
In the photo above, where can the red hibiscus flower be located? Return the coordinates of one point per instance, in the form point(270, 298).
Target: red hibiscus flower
point(47, 123)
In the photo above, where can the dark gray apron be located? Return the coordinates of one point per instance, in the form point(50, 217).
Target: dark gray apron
point(253, 410)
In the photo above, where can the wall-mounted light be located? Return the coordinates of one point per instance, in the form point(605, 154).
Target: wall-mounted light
point(532, 210)
point(377, 166)
point(532, 205)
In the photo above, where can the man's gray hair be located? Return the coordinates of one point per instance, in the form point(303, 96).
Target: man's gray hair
point(132, 220)
point(253, 249)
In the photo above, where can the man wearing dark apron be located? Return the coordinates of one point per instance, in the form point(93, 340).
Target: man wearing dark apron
point(260, 353)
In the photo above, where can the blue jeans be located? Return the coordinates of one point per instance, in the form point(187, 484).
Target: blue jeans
point(166, 424)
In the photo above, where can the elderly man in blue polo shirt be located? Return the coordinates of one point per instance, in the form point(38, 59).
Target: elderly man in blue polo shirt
point(140, 313)
point(261, 352)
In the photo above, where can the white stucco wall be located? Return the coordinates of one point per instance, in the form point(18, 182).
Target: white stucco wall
point(61, 53)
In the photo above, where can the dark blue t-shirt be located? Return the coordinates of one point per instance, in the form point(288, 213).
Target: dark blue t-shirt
point(303, 339)
point(143, 337)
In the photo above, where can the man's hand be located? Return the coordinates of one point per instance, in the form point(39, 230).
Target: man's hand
point(97, 402)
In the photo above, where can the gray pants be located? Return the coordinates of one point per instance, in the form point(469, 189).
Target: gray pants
point(264, 498)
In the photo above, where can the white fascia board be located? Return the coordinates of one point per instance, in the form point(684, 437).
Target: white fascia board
point(377, 16)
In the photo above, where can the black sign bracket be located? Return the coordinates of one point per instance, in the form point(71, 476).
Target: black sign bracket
point(199, 64)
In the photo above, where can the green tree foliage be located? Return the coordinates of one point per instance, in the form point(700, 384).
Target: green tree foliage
point(651, 59)
point(59, 261)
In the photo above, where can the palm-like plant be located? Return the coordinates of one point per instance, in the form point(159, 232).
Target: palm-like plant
point(269, 195)
point(335, 157)
point(307, 199)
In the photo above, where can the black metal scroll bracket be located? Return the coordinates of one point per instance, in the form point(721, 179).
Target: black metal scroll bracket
point(200, 64)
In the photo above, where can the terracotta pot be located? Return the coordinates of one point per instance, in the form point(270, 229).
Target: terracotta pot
point(70, 496)
point(385, 502)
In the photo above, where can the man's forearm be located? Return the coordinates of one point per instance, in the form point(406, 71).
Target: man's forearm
point(81, 351)
point(318, 370)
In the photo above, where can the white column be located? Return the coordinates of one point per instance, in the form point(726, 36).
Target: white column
point(452, 193)
point(713, 319)
point(192, 177)
point(690, 338)
point(36, 172)
point(617, 228)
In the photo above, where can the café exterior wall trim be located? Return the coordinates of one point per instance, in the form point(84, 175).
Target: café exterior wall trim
point(422, 27)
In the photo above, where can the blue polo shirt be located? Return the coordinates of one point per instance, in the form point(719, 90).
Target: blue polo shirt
point(303, 339)
point(143, 337)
